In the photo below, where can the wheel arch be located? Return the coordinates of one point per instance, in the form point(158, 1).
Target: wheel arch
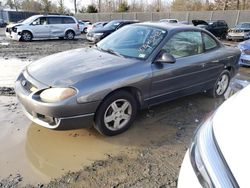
point(27, 30)
point(135, 92)
point(69, 29)
point(231, 70)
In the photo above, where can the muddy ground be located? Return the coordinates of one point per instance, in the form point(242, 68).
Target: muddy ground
point(147, 155)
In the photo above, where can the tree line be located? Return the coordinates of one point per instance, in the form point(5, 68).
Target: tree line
point(95, 6)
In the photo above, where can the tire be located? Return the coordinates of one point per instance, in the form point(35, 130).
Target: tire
point(85, 30)
point(70, 35)
point(221, 85)
point(223, 36)
point(26, 36)
point(116, 113)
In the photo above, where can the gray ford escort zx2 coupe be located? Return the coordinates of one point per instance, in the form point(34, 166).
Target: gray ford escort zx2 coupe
point(136, 67)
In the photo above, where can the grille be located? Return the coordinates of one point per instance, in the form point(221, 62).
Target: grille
point(245, 61)
point(27, 85)
point(90, 35)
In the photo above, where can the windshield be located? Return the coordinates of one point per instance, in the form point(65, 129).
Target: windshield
point(112, 25)
point(243, 25)
point(29, 20)
point(133, 41)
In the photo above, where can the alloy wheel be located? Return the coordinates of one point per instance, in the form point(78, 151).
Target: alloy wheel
point(118, 114)
point(222, 84)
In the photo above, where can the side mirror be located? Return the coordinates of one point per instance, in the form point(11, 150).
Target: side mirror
point(165, 57)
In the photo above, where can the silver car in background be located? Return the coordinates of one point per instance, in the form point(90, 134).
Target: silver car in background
point(44, 26)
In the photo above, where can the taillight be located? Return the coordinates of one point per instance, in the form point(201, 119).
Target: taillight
point(78, 27)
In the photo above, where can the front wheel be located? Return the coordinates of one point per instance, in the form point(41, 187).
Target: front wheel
point(26, 36)
point(220, 85)
point(116, 113)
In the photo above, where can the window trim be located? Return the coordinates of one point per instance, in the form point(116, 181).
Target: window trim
point(189, 30)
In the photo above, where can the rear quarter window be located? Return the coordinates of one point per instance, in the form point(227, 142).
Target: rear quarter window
point(209, 42)
point(68, 20)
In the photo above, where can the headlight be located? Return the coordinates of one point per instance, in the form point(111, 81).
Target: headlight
point(246, 51)
point(207, 160)
point(98, 34)
point(14, 29)
point(56, 94)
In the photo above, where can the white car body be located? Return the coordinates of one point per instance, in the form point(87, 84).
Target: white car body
point(230, 125)
point(83, 26)
point(95, 25)
point(51, 27)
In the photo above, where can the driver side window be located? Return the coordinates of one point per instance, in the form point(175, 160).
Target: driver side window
point(40, 21)
point(186, 43)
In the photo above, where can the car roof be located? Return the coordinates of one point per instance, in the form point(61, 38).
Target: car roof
point(125, 21)
point(54, 15)
point(169, 26)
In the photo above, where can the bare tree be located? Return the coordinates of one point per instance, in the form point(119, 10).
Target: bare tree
point(75, 7)
point(31, 5)
point(61, 7)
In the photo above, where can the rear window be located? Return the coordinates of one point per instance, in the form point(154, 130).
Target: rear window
point(55, 20)
point(68, 20)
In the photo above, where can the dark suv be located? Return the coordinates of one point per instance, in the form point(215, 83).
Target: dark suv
point(218, 28)
point(98, 34)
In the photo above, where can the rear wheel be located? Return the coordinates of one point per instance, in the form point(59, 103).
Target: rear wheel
point(70, 35)
point(116, 113)
point(220, 85)
point(26, 36)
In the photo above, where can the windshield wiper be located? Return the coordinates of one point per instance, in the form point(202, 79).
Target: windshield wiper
point(113, 52)
point(110, 51)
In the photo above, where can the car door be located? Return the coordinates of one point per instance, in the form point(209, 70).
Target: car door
point(40, 28)
point(215, 60)
point(185, 75)
point(55, 24)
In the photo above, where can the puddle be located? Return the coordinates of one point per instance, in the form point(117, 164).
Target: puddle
point(9, 70)
point(4, 43)
point(48, 154)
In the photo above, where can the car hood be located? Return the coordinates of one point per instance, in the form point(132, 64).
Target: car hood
point(70, 67)
point(13, 25)
point(231, 129)
point(199, 22)
point(244, 45)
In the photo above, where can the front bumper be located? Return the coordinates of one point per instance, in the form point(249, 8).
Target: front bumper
point(187, 176)
point(93, 38)
point(244, 60)
point(13, 35)
point(64, 115)
point(237, 36)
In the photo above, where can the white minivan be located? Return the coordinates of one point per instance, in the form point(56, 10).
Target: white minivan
point(44, 26)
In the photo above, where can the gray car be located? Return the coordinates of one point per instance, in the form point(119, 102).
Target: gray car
point(136, 67)
point(44, 26)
